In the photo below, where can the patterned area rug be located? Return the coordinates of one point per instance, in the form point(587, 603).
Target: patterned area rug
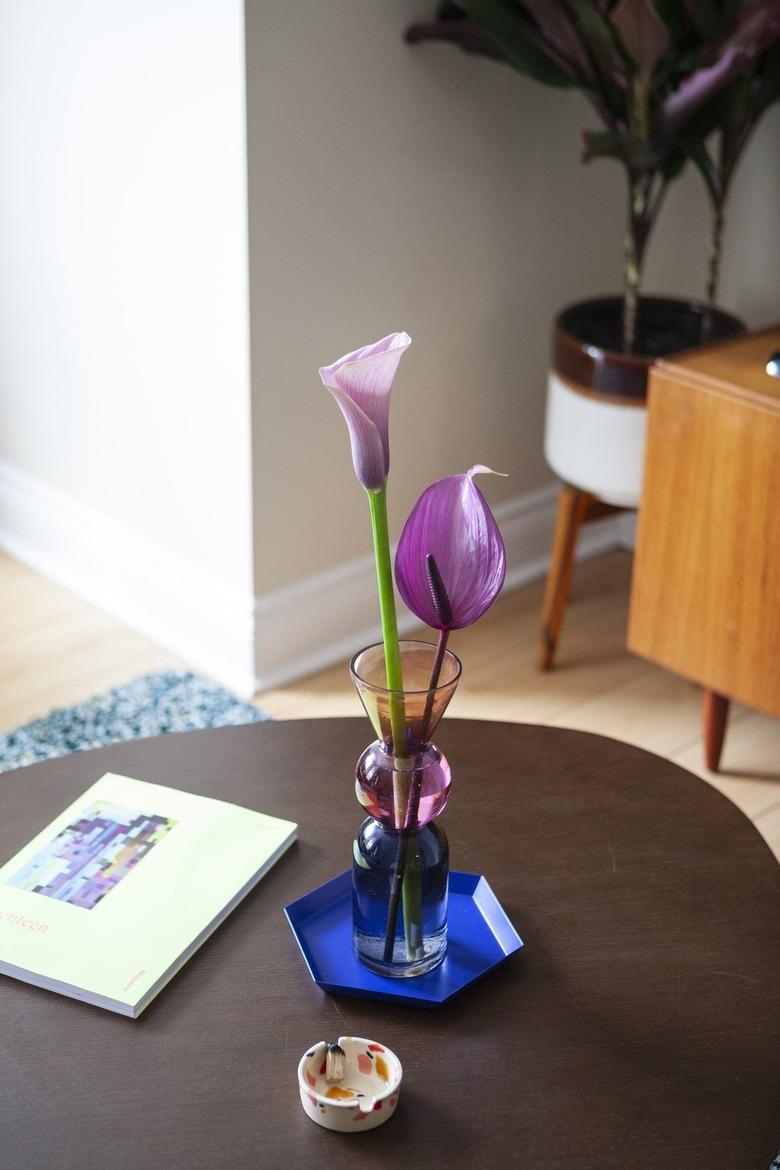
point(155, 704)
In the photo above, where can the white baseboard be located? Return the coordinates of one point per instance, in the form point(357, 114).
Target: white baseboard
point(243, 644)
point(325, 618)
point(183, 609)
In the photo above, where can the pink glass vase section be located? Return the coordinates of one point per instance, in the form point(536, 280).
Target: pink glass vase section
point(412, 765)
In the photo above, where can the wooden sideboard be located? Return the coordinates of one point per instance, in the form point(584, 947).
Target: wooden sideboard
point(705, 596)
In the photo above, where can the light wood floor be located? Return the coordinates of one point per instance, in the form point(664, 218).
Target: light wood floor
point(56, 649)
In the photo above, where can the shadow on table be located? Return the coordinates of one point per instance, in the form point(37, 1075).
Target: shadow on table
point(439, 1117)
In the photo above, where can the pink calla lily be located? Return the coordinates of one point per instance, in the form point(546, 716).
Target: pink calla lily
point(452, 522)
point(361, 382)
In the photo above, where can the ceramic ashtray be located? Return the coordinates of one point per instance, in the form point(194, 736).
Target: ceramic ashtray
point(351, 1085)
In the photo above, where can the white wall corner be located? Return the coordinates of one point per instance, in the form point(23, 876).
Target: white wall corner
point(183, 609)
point(325, 618)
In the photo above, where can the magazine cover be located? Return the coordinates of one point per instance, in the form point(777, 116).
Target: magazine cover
point(113, 896)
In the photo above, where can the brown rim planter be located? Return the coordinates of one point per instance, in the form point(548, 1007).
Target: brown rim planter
point(596, 416)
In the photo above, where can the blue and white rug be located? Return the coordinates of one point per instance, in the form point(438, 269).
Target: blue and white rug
point(155, 704)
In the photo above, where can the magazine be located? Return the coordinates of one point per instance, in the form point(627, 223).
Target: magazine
point(109, 901)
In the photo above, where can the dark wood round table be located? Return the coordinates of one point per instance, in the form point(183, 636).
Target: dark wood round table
point(638, 1028)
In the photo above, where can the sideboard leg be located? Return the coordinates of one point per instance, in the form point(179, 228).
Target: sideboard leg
point(572, 506)
point(714, 712)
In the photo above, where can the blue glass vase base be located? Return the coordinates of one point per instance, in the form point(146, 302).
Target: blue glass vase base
point(480, 936)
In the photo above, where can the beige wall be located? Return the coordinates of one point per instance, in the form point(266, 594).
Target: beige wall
point(421, 189)
point(389, 188)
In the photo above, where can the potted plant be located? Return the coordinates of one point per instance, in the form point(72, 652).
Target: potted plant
point(661, 75)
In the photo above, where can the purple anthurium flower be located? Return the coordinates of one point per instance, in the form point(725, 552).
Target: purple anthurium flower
point(361, 383)
point(452, 523)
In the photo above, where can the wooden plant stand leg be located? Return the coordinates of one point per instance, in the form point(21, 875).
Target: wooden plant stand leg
point(572, 507)
point(714, 713)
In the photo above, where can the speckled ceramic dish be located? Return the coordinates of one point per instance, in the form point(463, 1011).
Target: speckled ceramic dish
point(362, 1098)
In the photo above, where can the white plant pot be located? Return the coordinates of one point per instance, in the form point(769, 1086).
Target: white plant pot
point(596, 395)
point(595, 445)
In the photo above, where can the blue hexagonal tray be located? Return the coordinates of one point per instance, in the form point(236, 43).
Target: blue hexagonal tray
point(480, 936)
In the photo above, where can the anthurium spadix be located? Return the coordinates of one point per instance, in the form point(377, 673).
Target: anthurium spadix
point(361, 383)
point(451, 523)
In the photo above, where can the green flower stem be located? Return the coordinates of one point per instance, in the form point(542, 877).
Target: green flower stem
point(377, 502)
point(412, 901)
point(410, 876)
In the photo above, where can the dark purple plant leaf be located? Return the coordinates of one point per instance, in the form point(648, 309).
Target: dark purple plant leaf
point(600, 144)
point(767, 88)
point(707, 168)
point(599, 35)
point(554, 21)
point(754, 33)
point(644, 35)
point(712, 18)
point(520, 41)
point(735, 115)
point(452, 24)
point(637, 153)
point(675, 18)
point(673, 163)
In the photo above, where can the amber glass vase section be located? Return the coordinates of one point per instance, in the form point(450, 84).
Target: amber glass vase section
point(422, 705)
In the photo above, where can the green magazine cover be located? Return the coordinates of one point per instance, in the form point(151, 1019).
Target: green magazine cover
point(111, 898)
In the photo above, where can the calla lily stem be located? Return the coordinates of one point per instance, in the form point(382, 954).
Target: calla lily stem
point(377, 502)
point(403, 879)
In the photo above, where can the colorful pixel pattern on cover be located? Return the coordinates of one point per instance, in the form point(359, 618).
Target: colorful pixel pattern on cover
point(92, 855)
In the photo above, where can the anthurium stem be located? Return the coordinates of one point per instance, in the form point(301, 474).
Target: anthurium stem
point(406, 873)
point(443, 607)
point(394, 899)
point(441, 646)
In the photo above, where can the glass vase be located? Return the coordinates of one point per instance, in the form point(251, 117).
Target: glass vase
point(400, 855)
